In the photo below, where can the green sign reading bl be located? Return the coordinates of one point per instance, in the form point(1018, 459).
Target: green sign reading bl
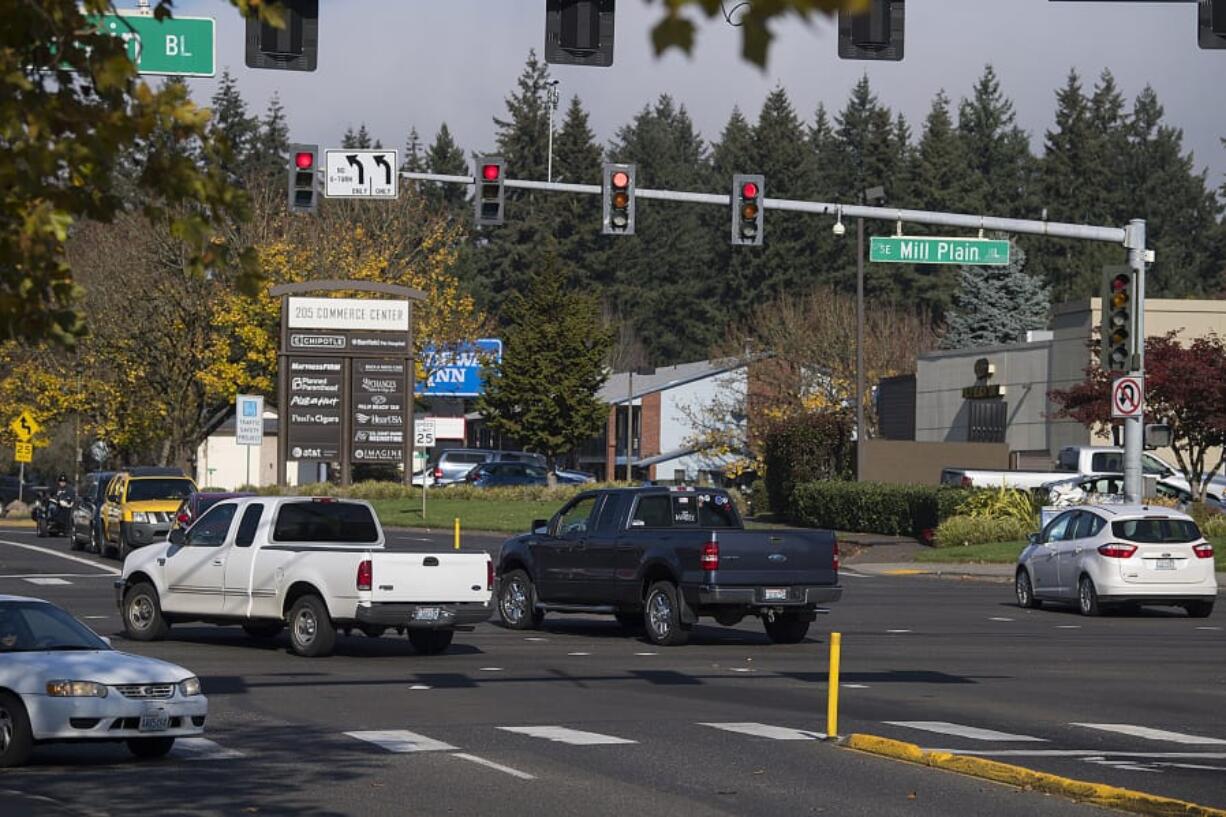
point(899, 249)
point(183, 46)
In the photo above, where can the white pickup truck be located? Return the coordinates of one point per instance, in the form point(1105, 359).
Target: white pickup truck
point(317, 564)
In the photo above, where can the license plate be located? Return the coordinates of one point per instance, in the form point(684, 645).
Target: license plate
point(154, 722)
point(427, 614)
point(775, 594)
point(1164, 564)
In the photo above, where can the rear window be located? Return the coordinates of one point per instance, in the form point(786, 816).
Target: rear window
point(140, 490)
point(464, 457)
point(704, 510)
point(343, 522)
point(1107, 462)
point(1156, 531)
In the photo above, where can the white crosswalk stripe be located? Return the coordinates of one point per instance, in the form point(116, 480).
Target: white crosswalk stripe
point(46, 580)
point(766, 730)
point(1152, 734)
point(202, 749)
point(962, 731)
point(561, 734)
point(401, 741)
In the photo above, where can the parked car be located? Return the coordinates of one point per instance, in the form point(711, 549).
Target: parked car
point(454, 464)
point(1102, 556)
point(85, 527)
point(195, 505)
point(1091, 459)
point(315, 563)
point(500, 474)
point(660, 558)
point(140, 508)
point(59, 681)
point(1102, 489)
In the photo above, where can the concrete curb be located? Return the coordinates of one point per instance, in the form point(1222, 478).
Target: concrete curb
point(1100, 794)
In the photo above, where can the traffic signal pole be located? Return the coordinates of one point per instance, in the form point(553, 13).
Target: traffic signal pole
point(1131, 237)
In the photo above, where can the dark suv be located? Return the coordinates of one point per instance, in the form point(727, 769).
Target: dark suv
point(85, 524)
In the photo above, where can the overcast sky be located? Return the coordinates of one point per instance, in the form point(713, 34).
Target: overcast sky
point(400, 63)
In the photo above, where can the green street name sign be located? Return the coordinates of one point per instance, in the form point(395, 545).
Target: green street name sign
point(182, 46)
point(897, 249)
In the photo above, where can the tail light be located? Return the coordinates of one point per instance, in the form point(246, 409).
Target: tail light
point(966, 482)
point(836, 555)
point(710, 555)
point(438, 472)
point(1203, 550)
point(366, 574)
point(1117, 551)
point(184, 518)
point(489, 575)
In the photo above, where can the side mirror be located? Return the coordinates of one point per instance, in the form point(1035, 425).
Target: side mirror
point(178, 536)
point(537, 524)
point(1033, 538)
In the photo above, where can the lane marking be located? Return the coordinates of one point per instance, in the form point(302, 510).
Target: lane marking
point(854, 686)
point(646, 653)
point(898, 631)
point(766, 730)
point(54, 576)
point(203, 749)
point(492, 765)
point(999, 618)
point(94, 618)
point(420, 686)
point(1127, 765)
point(1208, 628)
point(578, 653)
point(47, 580)
point(535, 638)
point(1082, 753)
point(1152, 734)
point(972, 732)
point(490, 669)
point(854, 575)
point(905, 571)
point(113, 571)
point(401, 741)
point(560, 734)
point(1068, 626)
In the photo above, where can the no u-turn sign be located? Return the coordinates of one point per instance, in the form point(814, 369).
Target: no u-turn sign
point(1128, 396)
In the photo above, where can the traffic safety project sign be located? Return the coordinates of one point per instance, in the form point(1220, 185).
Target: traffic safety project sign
point(1128, 397)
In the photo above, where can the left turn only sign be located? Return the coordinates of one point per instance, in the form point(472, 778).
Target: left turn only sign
point(362, 174)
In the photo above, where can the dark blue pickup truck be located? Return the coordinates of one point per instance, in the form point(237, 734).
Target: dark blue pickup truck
point(658, 558)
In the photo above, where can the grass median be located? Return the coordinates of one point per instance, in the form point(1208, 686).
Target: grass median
point(506, 516)
point(1007, 553)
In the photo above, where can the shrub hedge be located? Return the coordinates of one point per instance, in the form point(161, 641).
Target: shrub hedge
point(803, 448)
point(958, 531)
point(870, 507)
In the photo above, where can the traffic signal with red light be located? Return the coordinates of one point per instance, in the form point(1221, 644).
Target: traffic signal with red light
point(1119, 298)
point(490, 198)
point(748, 192)
point(303, 184)
point(295, 47)
point(874, 34)
point(617, 183)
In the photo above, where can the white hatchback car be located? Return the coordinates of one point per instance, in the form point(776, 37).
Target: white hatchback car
point(1100, 556)
point(61, 682)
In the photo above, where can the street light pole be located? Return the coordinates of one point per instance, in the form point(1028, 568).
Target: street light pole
point(552, 101)
point(860, 435)
point(630, 427)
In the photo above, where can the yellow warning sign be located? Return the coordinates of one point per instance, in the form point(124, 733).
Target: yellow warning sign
point(25, 426)
point(25, 452)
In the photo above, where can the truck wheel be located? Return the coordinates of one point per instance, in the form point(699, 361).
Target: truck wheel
point(662, 616)
point(788, 628)
point(150, 748)
point(517, 602)
point(311, 631)
point(142, 614)
point(1199, 609)
point(1024, 590)
point(16, 739)
point(73, 542)
point(431, 642)
point(264, 629)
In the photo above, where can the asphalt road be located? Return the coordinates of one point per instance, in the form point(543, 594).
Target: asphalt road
point(581, 718)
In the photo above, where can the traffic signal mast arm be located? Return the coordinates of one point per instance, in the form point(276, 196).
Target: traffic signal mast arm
point(1054, 229)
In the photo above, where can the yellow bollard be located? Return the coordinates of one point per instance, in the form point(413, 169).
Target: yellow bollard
point(832, 701)
point(457, 533)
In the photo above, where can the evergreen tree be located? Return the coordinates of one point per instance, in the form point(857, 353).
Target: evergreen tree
point(349, 140)
point(576, 218)
point(997, 305)
point(941, 178)
point(414, 153)
point(997, 151)
point(445, 156)
point(544, 393)
point(271, 149)
point(231, 119)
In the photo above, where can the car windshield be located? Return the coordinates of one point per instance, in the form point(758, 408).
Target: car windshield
point(33, 626)
point(1156, 531)
point(140, 490)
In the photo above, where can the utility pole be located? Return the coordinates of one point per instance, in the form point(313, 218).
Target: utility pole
point(1134, 427)
point(875, 195)
point(630, 427)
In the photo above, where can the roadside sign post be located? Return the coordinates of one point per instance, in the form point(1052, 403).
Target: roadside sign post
point(24, 426)
point(248, 424)
point(423, 438)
